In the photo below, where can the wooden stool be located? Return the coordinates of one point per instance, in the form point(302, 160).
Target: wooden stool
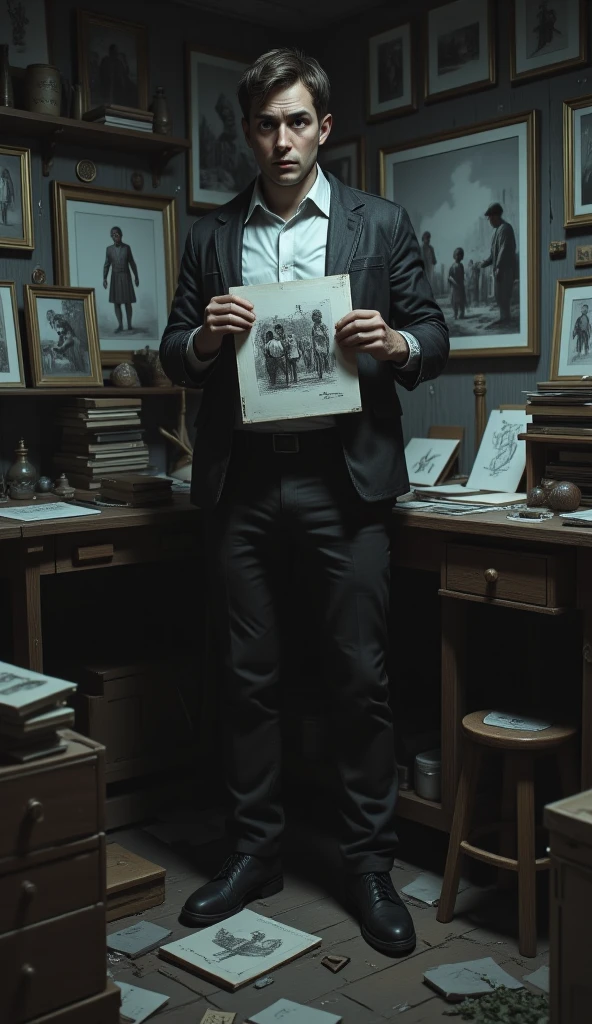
point(519, 749)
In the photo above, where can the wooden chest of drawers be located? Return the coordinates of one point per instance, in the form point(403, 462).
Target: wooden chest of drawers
point(521, 579)
point(52, 888)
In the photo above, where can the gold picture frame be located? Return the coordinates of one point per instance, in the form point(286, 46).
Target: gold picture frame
point(16, 200)
point(66, 353)
point(577, 213)
point(352, 153)
point(12, 374)
point(390, 73)
point(470, 168)
point(119, 72)
point(571, 344)
point(459, 41)
point(80, 256)
point(572, 9)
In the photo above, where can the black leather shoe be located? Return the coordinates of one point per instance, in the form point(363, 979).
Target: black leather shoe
point(385, 922)
point(241, 879)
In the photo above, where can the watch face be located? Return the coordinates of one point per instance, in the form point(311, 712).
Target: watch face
point(86, 170)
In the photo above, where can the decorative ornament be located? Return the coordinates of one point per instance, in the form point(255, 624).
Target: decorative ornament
point(137, 180)
point(38, 275)
point(124, 375)
point(557, 250)
point(148, 365)
point(21, 476)
point(44, 485)
point(536, 497)
point(565, 496)
point(86, 170)
point(63, 488)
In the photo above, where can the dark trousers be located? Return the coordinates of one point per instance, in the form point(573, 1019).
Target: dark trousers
point(304, 503)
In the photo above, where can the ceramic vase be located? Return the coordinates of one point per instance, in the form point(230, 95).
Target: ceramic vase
point(162, 118)
point(43, 89)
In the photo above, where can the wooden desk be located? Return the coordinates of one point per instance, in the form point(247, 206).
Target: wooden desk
point(539, 567)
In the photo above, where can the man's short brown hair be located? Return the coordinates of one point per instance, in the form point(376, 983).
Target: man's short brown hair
point(280, 68)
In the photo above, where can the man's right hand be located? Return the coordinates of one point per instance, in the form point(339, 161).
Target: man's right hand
point(225, 314)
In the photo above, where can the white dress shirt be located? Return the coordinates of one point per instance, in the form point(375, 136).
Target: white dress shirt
point(277, 250)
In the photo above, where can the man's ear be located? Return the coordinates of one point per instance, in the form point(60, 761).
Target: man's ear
point(247, 132)
point(325, 129)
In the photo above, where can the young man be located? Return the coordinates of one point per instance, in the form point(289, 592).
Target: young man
point(324, 486)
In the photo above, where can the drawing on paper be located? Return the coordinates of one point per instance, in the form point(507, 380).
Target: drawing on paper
point(235, 945)
point(504, 443)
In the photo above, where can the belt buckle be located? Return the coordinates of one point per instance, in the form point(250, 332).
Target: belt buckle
point(286, 444)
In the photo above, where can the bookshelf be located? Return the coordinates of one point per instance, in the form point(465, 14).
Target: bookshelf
point(105, 392)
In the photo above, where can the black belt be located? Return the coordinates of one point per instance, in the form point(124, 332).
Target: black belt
point(286, 443)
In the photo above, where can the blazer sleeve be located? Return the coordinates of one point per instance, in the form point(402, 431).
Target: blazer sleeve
point(413, 307)
point(187, 312)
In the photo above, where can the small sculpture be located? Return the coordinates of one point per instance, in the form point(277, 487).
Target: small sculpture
point(63, 488)
point(565, 497)
point(124, 375)
point(536, 497)
point(148, 365)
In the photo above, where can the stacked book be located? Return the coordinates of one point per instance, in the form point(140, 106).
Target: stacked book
point(121, 117)
point(32, 709)
point(560, 410)
point(136, 490)
point(100, 437)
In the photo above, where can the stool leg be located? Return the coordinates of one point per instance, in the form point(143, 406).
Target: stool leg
point(568, 769)
point(463, 807)
point(508, 818)
point(527, 933)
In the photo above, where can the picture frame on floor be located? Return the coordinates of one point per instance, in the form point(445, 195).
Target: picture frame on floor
point(16, 199)
point(11, 356)
point(577, 162)
point(547, 36)
point(571, 344)
point(124, 245)
point(472, 197)
point(63, 337)
point(391, 83)
point(112, 61)
point(346, 160)
point(459, 49)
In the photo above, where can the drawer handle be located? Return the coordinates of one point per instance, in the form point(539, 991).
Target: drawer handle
point(29, 889)
point(491, 575)
point(28, 972)
point(94, 553)
point(35, 810)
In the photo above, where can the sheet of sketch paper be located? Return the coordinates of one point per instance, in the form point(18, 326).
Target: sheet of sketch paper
point(289, 365)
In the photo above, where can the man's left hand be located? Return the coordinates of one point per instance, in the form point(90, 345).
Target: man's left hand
point(364, 330)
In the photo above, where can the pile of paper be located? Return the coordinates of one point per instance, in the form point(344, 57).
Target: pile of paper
point(32, 709)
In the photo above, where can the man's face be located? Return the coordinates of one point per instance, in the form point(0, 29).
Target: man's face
point(284, 134)
point(116, 237)
point(494, 219)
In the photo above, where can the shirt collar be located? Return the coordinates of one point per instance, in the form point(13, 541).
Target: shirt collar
point(319, 194)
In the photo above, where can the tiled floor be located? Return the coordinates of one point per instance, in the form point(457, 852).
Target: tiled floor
point(372, 987)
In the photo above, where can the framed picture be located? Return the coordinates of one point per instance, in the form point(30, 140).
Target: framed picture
point(124, 245)
point(391, 85)
point(571, 347)
point(546, 36)
point(472, 196)
point(577, 161)
point(16, 199)
point(459, 48)
point(24, 25)
point(112, 61)
point(11, 357)
point(63, 337)
point(220, 163)
point(346, 160)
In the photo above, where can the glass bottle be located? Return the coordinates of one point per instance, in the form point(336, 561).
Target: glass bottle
point(6, 95)
point(21, 476)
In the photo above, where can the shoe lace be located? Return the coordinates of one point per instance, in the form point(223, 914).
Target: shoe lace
point(380, 886)
point(231, 866)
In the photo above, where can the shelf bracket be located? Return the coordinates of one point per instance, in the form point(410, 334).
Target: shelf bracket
point(158, 163)
point(48, 149)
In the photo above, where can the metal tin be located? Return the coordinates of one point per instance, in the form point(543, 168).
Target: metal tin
point(428, 770)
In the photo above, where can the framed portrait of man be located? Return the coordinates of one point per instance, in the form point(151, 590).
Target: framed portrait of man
point(112, 62)
point(16, 199)
point(459, 48)
point(220, 162)
point(62, 336)
point(391, 85)
point(123, 245)
point(346, 160)
point(472, 197)
point(571, 346)
point(24, 25)
point(11, 359)
point(577, 161)
point(547, 36)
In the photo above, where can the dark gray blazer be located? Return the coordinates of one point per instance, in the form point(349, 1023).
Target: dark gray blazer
point(372, 240)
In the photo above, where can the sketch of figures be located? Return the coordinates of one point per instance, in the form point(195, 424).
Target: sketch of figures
point(504, 444)
point(62, 335)
point(547, 35)
point(119, 259)
point(426, 463)
point(501, 452)
point(457, 48)
point(581, 329)
point(68, 352)
point(390, 70)
point(547, 27)
point(233, 945)
point(6, 195)
point(294, 350)
point(112, 56)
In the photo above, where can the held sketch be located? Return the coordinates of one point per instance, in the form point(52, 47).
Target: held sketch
point(501, 459)
point(288, 363)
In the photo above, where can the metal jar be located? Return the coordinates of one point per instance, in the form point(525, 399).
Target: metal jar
point(43, 89)
point(428, 768)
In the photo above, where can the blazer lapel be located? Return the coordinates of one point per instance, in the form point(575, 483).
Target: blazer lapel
point(345, 227)
point(228, 239)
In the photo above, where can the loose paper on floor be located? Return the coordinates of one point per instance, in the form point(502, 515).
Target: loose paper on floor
point(469, 978)
point(427, 888)
point(137, 1004)
point(286, 1010)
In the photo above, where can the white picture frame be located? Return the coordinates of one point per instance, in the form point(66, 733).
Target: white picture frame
point(501, 459)
point(571, 345)
point(428, 459)
point(391, 82)
point(545, 40)
point(459, 48)
point(289, 365)
point(11, 358)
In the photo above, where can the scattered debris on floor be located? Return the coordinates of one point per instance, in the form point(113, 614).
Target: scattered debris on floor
point(138, 939)
point(335, 963)
point(504, 1006)
point(264, 982)
point(540, 979)
point(427, 888)
point(137, 1004)
point(469, 978)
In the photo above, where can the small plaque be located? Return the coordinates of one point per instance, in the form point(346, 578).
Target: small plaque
point(583, 255)
point(86, 170)
point(557, 249)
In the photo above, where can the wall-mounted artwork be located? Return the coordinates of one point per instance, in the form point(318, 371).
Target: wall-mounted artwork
point(16, 200)
point(62, 335)
point(472, 196)
point(547, 36)
point(571, 349)
point(577, 161)
point(220, 162)
point(391, 86)
point(124, 245)
point(11, 359)
point(459, 48)
point(24, 26)
point(112, 61)
point(346, 160)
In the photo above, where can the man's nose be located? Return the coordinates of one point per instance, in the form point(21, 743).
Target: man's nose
point(282, 141)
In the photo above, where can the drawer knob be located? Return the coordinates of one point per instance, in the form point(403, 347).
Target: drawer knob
point(27, 972)
point(491, 575)
point(29, 889)
point(35, 810)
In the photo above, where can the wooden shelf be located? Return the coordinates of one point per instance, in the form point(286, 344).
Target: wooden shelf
point(53, 131)
point(426, 812)
point(557, 438)
point(106, 392)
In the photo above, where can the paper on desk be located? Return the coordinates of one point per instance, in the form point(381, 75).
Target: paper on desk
point(139, 1003)
point(47, 510)
point(586, 514)
point(427, 888)
point(503, 720)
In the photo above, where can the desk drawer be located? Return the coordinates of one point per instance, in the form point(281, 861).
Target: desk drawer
point(52, 964)
point(49, 807)
point(494, 573)
point(124, 547)
point(43, 891)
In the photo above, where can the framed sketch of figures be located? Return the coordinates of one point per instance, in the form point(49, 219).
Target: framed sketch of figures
point(472, 196)
point(62, 334)
point(11, 359)
point(571, 347)
point(577, 161)
point(391, 85)
point(16, 200)
point(112, 61)
point(220, 162)
point(546, 36)
point(346, 160)
point(124, 245)
point(24, 26)
point(459, 48)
